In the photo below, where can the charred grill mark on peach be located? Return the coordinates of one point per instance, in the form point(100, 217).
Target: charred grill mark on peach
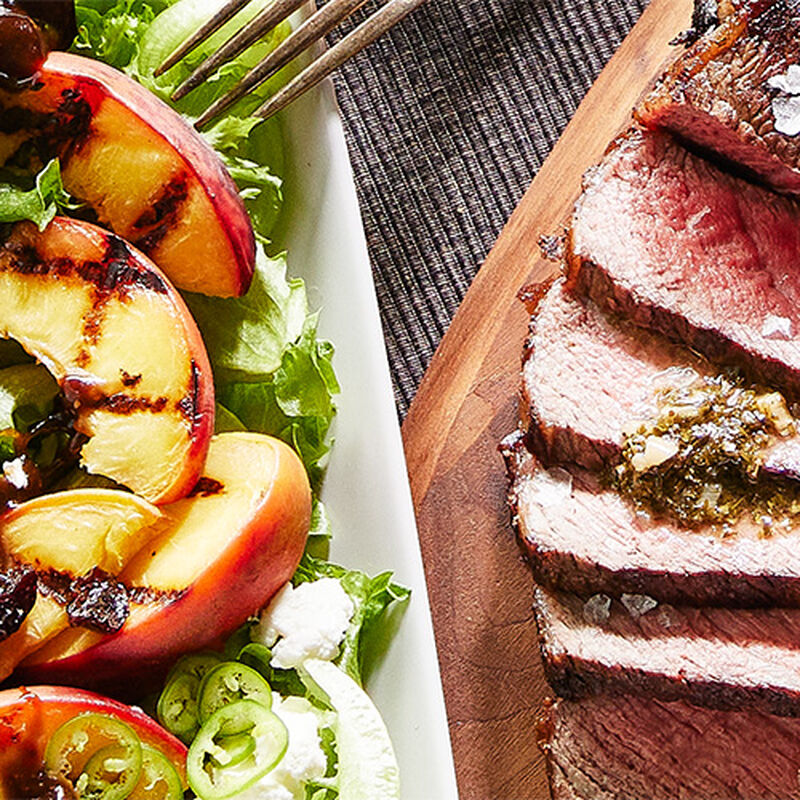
point(17, 596)
point(55, 584)
point(163, 215)
point(115, 274)
point(73, 118)
point(92, 328)
point(98, 601)
point(122, 272)
point(23, 258)
point(168, 205)
point(124, 404)
point(80, 394)
point(206, 487)
point(189, 404)
point(58, 585)
point(130, 380)
point(141, 595)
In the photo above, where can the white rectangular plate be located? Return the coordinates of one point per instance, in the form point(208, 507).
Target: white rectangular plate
point(366, 488)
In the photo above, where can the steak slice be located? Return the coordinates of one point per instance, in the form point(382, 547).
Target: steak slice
point(716, 657)
point(587, 377)
point(583, 538)
point(614, 747)
point(735, 92)
point(670, 241)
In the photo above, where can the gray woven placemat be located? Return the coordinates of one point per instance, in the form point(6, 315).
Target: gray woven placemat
point(448, 117)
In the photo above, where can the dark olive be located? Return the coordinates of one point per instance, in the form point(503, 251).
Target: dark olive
point(28, 30)
point(56, 17)
point(22, 47)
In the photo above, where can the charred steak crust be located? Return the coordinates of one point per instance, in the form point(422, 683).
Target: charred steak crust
point(669, 241)
point(724, 93)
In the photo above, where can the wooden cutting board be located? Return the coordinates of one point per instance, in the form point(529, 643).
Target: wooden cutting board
point(479, 588)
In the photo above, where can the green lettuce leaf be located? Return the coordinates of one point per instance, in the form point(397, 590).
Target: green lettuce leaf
point(26, 395)
point(371, 597)
point(110, 30)
point(38, 204)
point(272, 373)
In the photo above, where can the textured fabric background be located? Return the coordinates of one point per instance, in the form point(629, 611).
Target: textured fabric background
point(448, 117)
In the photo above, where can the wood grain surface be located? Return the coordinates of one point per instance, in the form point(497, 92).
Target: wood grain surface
point(479, 588)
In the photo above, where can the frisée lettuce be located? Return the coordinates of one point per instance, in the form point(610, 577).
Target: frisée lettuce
point(38, 203)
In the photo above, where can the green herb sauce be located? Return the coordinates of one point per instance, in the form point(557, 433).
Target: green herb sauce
point(698, 459)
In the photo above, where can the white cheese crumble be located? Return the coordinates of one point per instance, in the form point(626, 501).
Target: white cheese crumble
point(15, 473)
point(308, 621)
point(304, 759)
point(789, 82)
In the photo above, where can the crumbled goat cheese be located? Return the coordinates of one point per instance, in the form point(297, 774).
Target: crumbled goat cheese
point(786, 104)
point(308, 621)
point(304, 759)
point(15, 473)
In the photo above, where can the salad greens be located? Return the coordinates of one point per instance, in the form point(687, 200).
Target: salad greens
point(367, 766)
point(272, 373)
point(371, 598)
point(38, 203)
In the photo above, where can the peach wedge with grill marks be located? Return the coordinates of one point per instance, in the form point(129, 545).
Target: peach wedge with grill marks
point(122, 345)
point(144, 171)
point(68, 534)
point(224, 552)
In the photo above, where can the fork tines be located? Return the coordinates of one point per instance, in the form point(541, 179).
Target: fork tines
point(310, 31)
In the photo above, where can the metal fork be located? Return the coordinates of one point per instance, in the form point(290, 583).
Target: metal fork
point(310, 31)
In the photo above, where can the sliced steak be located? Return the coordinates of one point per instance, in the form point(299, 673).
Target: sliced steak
point(587, 377)
point(736, 92)
point(668, 240)
point(581, 537)
point(632, 748)
point(716, 657)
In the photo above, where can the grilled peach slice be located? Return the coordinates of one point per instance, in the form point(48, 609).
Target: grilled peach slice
point(123, 346)
point(143, 170)
point(227, 550)
point(30, 715)
point(67, 534)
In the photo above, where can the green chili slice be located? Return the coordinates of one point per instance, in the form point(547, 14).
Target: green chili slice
point(159, 780)
point(257, 656)
point(99, 755)
point(227, 683)
point(237, 748)
point(177, 704)
point(110, 773)
point(196, 664)
point(208, 751)
point(177, 707)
